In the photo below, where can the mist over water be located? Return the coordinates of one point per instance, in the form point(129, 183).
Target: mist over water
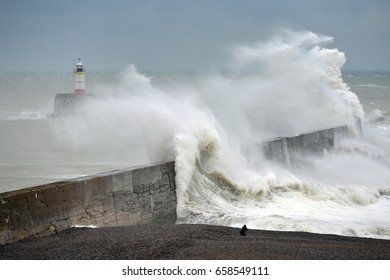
point(285, 86)
point(282, 87)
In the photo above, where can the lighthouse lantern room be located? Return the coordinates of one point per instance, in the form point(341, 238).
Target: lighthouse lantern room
point(79, 78)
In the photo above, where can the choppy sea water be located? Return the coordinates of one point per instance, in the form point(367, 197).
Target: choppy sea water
point(202, 121)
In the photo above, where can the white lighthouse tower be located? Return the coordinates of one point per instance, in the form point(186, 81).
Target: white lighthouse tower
point(79, 78)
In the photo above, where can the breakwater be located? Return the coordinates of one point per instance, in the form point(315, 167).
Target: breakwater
point(293, 151)
point(69, 104)
point(140, 195)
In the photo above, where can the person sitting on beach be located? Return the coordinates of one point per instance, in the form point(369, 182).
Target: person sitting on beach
point(243, 229)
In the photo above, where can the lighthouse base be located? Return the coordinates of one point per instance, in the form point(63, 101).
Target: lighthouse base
point(69, 104)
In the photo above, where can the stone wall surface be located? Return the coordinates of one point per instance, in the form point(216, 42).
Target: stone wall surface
point(136, 195)
point(68, 104)
point(123, 197)
point(292, 151)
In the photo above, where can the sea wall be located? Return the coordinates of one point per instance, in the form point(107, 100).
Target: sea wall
point(70, 104)
point(67, 104)
point(138, 195)
point(293, 151)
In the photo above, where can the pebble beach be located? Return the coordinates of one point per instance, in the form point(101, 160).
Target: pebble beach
point(192, 242)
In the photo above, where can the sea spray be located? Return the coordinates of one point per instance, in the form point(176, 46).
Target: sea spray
point(294, 77)
point(283, 87)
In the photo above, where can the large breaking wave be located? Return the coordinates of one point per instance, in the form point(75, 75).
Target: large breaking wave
point(281, 87)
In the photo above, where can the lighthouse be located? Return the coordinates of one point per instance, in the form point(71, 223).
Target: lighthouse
point(79, 78)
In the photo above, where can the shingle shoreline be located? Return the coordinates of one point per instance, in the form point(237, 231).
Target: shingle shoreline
point(194, 242)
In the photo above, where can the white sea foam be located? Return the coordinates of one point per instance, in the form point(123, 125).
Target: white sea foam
point(372, 85)
point(375, 116)
point(24, 115)
point(286, 86)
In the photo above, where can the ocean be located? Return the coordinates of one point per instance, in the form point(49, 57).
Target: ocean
point(205, 121)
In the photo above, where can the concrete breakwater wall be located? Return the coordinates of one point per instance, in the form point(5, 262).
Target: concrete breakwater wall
point(123, 197)
point(69, 104)
point(139, 195)
point(292, 151)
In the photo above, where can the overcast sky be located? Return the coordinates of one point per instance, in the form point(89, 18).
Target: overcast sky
point(180, 34)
